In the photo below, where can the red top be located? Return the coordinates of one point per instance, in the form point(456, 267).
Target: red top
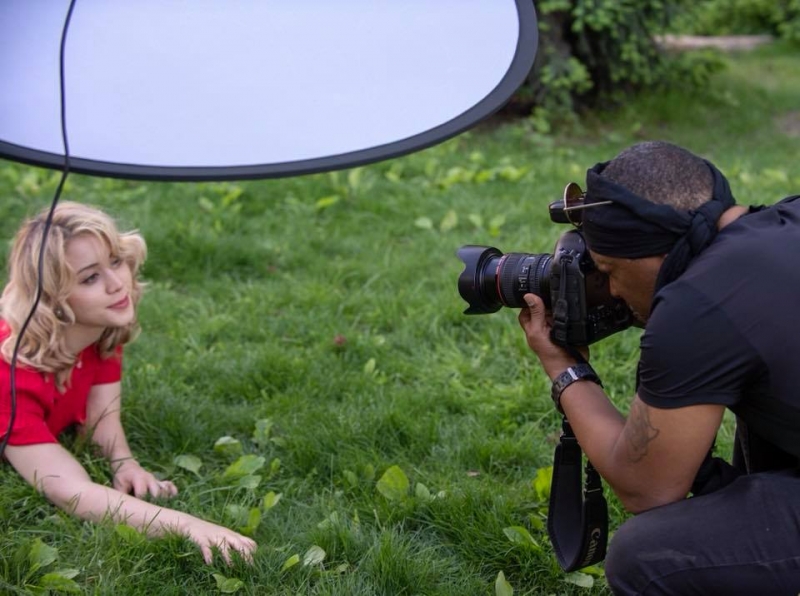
point(43, 412)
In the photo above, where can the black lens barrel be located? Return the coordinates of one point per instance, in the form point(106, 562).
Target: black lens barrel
point(492, 279)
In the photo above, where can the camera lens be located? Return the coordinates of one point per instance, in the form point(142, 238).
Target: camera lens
point(491, 279)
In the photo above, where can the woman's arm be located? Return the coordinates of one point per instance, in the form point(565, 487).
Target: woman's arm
point(105, 428)
point(53, 471)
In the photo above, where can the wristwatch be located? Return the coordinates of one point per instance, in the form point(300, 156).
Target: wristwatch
point(568, 377)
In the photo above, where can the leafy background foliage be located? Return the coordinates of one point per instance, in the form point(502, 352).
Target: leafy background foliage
point(780, 18)
point(596, 52)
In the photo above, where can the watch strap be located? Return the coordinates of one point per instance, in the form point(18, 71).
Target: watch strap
point(574, 373)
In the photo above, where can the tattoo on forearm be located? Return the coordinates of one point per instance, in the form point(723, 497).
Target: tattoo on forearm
point(640, 431)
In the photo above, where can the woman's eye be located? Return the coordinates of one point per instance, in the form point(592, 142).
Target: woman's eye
point(91, 279)
point(116, 262)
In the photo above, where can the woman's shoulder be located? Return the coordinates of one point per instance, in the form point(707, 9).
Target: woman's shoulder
point(25, 377)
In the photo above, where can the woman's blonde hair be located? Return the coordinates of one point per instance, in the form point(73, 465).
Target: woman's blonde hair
point(43, 343)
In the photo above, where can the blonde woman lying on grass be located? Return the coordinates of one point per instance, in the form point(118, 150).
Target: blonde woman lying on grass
point(68, 372)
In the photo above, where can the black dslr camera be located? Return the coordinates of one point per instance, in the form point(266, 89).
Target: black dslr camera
point(567, 281)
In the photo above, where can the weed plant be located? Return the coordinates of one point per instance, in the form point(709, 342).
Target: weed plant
point(306, 375)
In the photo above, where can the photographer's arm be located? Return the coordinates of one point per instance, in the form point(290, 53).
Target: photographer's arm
point(649, 459)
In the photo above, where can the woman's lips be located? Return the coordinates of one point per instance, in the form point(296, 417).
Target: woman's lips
point(122, 304)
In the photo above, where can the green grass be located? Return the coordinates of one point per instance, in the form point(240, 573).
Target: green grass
point(338, 320)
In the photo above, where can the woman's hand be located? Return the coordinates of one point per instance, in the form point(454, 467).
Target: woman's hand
point(209, 536)
point(132, 479)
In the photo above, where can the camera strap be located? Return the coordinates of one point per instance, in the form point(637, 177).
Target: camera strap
point(577, 522)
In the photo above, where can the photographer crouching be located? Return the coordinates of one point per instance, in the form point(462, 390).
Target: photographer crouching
point(716, 287)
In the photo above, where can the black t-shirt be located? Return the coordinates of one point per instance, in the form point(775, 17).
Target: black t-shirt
point(728, 330)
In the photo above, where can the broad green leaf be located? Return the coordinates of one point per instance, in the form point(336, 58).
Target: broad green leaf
point(271, 499)
point(41, 555)
point(274, 466)
point(536, 522)
point(351, 478)
point(520, 535)
point(369, 367)
point(354, 178)
point(502, 587)
point(579, 579)
point(326, 202)
point(262, 431)
point(541, 484)
point(232, 194)
point(476, 220)
point(59, 582)
point(314, 556)
point(430, 167)
point(393, 484)
point(250, 481)
point(775, 175)
point(129, 534)
point(330, 521)
point(512, 174)
point(205, 204)
point(227, 585)
point(188, 462)
point(245, 465)
point(594, 570)
point(449, 221)
point(424, 222)
point(68, 573)
point(290, 562)
point(228, 446)
point(237, 513)
point(422, 492)
point(369, 472)
point(483, 176)
point(253, 521)
point(496, 223)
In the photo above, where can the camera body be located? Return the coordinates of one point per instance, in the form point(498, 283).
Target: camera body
point(573, 290)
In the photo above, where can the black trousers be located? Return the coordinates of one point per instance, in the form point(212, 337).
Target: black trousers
point(743, 539)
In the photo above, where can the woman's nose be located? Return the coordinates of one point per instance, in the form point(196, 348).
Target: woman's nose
point(113, 281)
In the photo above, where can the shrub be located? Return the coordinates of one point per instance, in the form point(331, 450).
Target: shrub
point(780, 18)
point(595, 52)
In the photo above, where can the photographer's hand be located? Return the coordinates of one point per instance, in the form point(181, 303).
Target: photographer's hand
point(533, 321)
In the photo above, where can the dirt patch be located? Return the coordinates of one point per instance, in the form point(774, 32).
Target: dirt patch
point(789, 124)
point(722, 42)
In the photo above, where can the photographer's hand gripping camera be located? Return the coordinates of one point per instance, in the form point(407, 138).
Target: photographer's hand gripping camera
point(583, 311)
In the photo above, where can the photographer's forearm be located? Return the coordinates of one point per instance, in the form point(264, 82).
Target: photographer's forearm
point(618, 449)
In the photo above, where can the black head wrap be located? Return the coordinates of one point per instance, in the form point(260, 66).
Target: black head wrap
point(632, 227)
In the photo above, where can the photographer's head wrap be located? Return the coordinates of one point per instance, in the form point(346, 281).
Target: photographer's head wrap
point(633, 227)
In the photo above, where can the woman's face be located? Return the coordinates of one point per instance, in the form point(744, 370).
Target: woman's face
point(101, 295)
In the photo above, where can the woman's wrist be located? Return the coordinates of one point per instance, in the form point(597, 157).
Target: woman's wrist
point(120, 459)
point(117, 463)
